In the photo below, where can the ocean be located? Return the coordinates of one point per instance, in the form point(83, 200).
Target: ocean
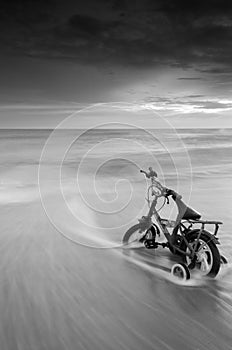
point(67, 198)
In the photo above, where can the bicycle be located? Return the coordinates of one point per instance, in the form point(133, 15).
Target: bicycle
point(196, 246)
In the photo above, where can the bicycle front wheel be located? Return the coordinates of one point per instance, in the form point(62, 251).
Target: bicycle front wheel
point(133, 234)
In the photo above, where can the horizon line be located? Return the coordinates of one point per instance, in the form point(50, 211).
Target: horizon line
point(51, 128)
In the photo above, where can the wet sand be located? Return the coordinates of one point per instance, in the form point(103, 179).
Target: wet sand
point(58, 295)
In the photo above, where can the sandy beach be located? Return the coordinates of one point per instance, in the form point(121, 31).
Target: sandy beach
point(56, 294)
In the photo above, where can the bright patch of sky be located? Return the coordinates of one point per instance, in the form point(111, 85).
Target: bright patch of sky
point(40, 93)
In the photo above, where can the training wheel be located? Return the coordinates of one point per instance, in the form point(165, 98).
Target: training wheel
point(181, 271)
point(223, 260)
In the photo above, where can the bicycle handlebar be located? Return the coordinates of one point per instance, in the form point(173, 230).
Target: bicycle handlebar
point(149, 174)
point(165, 192)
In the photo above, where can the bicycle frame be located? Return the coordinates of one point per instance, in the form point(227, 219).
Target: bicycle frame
point(148, 220)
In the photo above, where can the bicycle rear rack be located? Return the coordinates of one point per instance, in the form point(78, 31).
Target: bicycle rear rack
point(207, 222)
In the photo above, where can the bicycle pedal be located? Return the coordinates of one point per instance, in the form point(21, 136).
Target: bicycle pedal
point(142, 239)
point(150, 244)
point(192, 265)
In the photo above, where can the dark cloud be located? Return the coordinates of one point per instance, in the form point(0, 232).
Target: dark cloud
point(120, 5)
point(90, 26)
point(196, 7)
point(194, 96)
point(26, 12)
point(177, 32)
point(216, 70)
point(214, 105)
point(190, 78)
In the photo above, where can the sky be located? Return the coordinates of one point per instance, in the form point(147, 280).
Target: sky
point(173, 57)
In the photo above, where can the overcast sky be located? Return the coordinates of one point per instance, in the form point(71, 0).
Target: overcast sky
point(173, 57)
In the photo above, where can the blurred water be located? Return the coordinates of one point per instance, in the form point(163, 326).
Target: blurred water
point(58, 294)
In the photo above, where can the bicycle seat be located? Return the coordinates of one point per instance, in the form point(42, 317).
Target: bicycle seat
point(191, 214)
point(185, 212)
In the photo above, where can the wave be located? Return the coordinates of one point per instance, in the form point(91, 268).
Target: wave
point(18, 193)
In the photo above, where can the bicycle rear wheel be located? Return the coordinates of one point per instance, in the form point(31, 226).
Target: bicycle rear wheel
point(208, 258)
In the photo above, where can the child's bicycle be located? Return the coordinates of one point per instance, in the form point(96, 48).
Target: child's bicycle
point(196, 246)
